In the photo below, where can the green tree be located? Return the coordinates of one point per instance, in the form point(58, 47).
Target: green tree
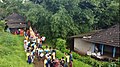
point(62, 24)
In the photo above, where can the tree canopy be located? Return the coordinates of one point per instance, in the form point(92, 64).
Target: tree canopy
point(63, 18)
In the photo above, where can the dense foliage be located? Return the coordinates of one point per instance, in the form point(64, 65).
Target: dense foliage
point(63, 18)
point(60, 44)
point(76, 63)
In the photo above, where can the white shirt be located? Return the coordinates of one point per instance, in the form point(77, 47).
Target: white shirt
point(68, 57)
point(25, 41)
point(42, 54)
point(53, 54)
point(98, 54)
point(38, 40)
point(43, 38)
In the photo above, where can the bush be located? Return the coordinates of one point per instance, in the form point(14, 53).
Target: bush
point(2, 25)
point(90, 61)
point(75, 55)
point(77, 63)
point(59, 54)
point(118, 61)
point(110, 64)
point(60, 44)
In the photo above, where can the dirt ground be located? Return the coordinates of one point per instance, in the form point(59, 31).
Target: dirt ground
point(39, 62)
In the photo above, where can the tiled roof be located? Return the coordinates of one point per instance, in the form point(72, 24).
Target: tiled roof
point(109, 36)
point(17, 25)
point(15, 18)
point(85, 34)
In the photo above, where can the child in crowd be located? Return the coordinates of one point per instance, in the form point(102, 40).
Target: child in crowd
point(50, 49)
point(29, 59)
point(53, 53)
point(33, 48)
point(45, 62)
point(62, 62)
point(67, 58)
point(71, 65)
point(70, 55)
point(25, 45)
point(40, 50)
point(46, 49)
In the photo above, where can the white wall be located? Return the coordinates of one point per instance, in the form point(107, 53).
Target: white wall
point(82, 46)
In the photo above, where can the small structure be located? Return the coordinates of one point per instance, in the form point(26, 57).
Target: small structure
point(106, 42)
point(15, 22)
point(80, 45)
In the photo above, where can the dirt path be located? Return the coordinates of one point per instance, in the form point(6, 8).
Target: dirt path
point(39, 63)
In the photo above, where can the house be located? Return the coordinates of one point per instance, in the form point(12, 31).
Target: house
point(15, 22)
point(106, 41)
point(80, 45)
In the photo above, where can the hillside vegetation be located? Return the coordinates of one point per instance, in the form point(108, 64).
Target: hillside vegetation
point(56, 19)
point(64, 18)
point(11, 50)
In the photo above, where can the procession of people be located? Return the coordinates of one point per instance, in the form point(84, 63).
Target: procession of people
point(33, 45)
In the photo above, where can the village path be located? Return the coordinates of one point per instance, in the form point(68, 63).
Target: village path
point(39, 63)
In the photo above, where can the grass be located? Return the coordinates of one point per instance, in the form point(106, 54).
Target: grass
point(11, 51)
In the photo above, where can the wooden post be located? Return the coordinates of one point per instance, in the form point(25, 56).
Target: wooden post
point(114, 51)
point(102, 49)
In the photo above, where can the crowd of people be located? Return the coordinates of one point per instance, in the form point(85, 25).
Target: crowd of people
point(34, 49)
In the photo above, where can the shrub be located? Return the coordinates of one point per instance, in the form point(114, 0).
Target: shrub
point(110, 64)
point(2, 25)
point(118, 61)
point(77, 63)
point(60, 44)
point(91, 61)
point(59, 54)
point(75, 55)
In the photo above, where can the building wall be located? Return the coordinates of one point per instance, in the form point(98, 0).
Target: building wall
point(82, 46)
